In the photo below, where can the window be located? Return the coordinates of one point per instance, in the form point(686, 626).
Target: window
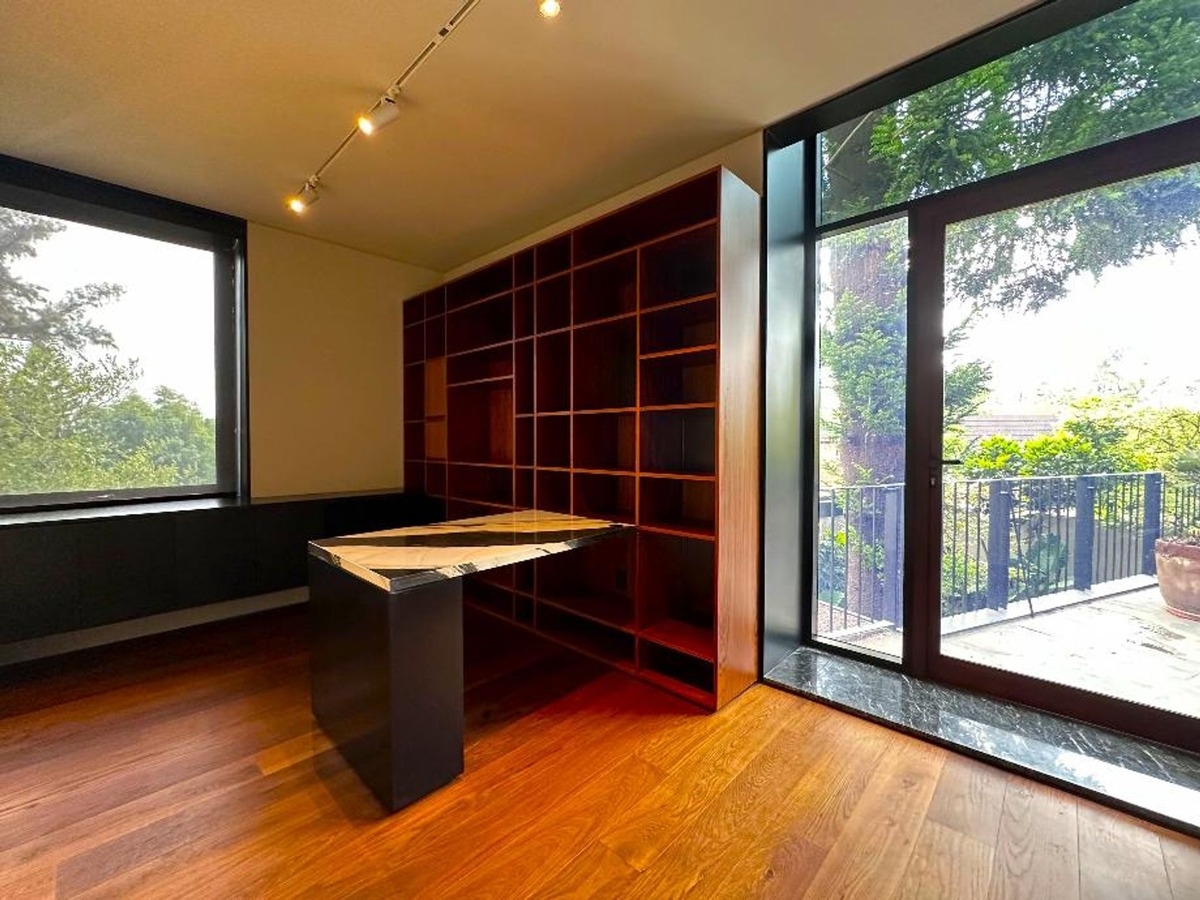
point(972, 267)
point(119, 376)
point(1127, 72)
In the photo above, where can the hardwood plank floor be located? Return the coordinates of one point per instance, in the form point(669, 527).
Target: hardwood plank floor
point(187, 765)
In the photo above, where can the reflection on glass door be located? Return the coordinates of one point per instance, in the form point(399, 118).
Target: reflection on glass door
point(1070, 521)
point(862, 351)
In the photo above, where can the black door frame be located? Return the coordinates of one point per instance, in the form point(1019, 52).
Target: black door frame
point(1144, 154)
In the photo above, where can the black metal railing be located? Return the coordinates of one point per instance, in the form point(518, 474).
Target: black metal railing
point(1004, 540)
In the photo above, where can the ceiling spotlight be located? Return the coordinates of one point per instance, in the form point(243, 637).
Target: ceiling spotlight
point(384, 113)
point(308, 195)
point(549, 8)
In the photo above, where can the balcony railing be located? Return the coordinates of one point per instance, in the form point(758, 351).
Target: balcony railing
point(1004, 540)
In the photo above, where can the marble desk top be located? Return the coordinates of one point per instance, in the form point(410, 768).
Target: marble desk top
point(403, 558)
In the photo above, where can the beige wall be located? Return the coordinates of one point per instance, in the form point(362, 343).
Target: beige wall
point(324, 364)
point(744, 158)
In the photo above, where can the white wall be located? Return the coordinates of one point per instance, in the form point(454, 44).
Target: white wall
point(324, 364)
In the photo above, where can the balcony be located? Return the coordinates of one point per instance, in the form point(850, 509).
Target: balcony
point(1050, 577)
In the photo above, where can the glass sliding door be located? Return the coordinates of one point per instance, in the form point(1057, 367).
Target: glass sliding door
point(862, 348)
point(1064, 490)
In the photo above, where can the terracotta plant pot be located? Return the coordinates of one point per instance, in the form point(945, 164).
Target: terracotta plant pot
point(1179, 577)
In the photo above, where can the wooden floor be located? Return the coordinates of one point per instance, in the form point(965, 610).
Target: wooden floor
point(188, 766)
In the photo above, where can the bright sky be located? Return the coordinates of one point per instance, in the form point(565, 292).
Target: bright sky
point(165, 319)
point(1141, 320)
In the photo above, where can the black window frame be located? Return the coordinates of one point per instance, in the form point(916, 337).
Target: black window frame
point(791, 192)
point(43, 190)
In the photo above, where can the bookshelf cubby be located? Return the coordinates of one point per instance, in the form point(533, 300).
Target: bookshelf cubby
point(523, 312)
point(680, 379)
point(552, 257)
point(435, 337)
point(593, 583)
point(552, 308)
point(610, 645)
point(681, 267)
point(683, 326)
point(414, 440)
point(523, 267)
point(605, 289)
point(552, 491)
point(480, 365)
point(435, 439)
point(435, 479)
point(679, 441)
point(605, 365)
point(552, 373)
point(523, 488)
point(479, 285)
point(414, 342)
point(523, 453)
point(480, 484)
point(523, 390)
point(610, 372)
point(480, 325)
point(414, 393)
point(553, 441)
point(683, 506)
point(605, 442)
point(602, 496)
point(414, 474)
point(481, 429)
point(483, 593)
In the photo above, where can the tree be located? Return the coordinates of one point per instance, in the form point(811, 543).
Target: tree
point(70, 417)
point(1126, 72)
point(27, 313)
point(1122, 73)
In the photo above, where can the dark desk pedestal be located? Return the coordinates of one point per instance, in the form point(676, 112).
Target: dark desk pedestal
point(387, 680)
point(387, 643)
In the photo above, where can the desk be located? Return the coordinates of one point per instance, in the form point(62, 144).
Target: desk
point(387, 647)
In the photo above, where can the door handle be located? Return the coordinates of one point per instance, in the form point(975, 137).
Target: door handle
point(935, 469)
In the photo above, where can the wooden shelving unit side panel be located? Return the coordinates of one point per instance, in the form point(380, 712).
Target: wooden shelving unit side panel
point(739, 379)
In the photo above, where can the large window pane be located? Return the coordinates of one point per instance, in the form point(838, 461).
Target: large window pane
point(1130, 71)
point(107, 362)
point(1069, 528)
point(862, 352)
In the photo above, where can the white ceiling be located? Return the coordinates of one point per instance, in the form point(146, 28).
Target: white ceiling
point(514, 123)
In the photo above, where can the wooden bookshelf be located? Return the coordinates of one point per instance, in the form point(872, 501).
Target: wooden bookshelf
point(612, 371)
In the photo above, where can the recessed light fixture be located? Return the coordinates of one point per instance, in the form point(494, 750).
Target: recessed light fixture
point(549, 8)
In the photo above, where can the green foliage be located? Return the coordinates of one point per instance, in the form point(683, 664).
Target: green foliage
point(1079, 447)
point(1126, 72)
point(1131, 70)
point(1038, 567)
point(864, 338)
point(27, 313)
point(964, 579)
point(70, 418)
point(1187, 464)
point(831, 569)
point(67, 424)
point(857, 345)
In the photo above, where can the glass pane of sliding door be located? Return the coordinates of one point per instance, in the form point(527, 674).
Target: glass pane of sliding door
point(1071, 446)
point(862, 348)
